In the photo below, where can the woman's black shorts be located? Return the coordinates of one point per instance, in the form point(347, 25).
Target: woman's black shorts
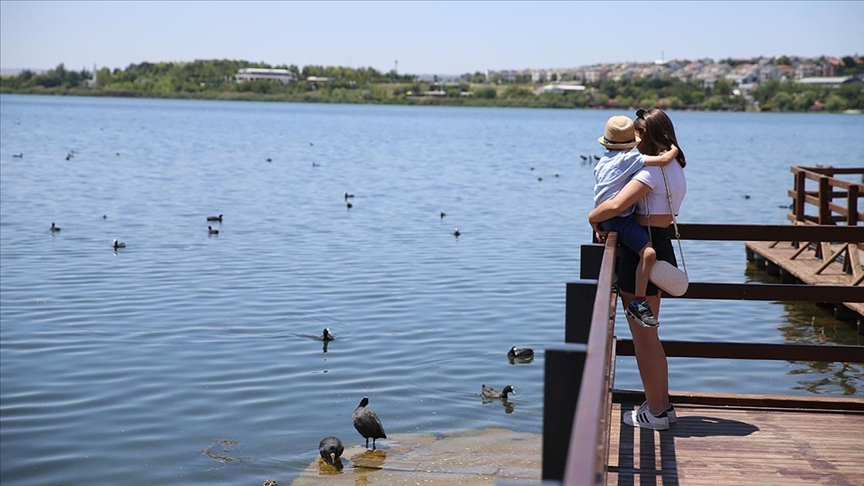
point(628, 261)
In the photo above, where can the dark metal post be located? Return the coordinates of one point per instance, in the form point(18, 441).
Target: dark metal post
point(565, 364)
point(578, 310)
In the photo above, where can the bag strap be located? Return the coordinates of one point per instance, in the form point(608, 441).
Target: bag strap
point(674, 221)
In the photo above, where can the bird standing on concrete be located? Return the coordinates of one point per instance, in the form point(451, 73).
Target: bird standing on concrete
point(330, 449)
point(367, 423)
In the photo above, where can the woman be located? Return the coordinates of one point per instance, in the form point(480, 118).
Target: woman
point(647, 190)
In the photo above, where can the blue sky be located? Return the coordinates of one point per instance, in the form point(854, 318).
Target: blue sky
point(425, 37)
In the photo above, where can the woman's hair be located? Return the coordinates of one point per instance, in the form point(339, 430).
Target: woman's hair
point(657, 133)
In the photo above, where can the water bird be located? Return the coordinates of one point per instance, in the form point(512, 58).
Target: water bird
point(215, 218)
point(532, 168)
point(316, 164)
point(367, 423)
point(746, 196)
point(54, 228)
point(18, 156)
point(212, 231)
point(489, 392)
point(596, 157)
point(456, 232)
point(443, 214)
point(330, 449)
point(269, 159)
point(584, 158)
point(348, 196)
point(520, 353)
point(68, 156)
point(119, 244)
point(326, 335)
point(104, 216)
point(118, 154)
point(540, 179)
point(349, 205)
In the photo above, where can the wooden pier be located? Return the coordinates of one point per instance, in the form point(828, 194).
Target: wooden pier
point(834, 201)
point(719, 439)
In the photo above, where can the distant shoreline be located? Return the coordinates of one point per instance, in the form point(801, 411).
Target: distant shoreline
point(417, 101)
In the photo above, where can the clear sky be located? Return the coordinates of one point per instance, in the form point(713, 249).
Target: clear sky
point(435, 37)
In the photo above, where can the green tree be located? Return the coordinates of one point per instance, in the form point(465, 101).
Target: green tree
point(835, 102)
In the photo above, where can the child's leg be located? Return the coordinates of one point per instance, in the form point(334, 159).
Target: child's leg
point(647, 257)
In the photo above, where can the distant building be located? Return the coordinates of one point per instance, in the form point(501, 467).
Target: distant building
point(254, 74)
point(831, 80)
point(561, 88)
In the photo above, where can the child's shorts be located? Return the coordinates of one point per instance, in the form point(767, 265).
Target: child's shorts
point(630, 233)
point(628, 261)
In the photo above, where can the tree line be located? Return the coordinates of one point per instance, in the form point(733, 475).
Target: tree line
point(215, 79)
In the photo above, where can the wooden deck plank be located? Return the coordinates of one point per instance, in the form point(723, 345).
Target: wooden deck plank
point(804, 266)
point(721, 446)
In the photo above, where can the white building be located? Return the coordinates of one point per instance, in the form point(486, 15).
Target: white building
point(253, 74)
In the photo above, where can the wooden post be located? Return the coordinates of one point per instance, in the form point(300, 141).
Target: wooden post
point(852, 205)
point(824, 200)
point(800, 195)
point(564, 365)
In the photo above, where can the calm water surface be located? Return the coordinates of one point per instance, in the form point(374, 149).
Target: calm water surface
point(123, 367)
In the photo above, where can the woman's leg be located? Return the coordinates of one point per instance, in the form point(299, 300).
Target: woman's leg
point(650, 357)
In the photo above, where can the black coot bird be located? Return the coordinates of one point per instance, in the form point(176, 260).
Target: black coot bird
point(215, 218)
point(520, 353)
point(212, 231)
point(367, 423)
point(330, 449)
point(54, 228)
point(119, 244)
point(489, 392)
point(326, 335)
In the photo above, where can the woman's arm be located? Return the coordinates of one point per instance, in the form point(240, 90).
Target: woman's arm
point(617, 204)
point(663, 158)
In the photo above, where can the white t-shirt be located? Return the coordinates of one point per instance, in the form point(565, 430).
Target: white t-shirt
point(653, 177)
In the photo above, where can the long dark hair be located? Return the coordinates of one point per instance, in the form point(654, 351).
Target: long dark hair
point(657, 132)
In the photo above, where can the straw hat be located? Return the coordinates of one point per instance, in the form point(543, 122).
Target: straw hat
point(620, 134)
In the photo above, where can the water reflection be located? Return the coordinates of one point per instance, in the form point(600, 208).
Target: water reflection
point(327, 469)
point(509, 407)
point(370, 459)
point(807, 323)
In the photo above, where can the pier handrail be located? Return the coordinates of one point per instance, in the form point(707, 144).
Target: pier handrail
point(587, 464)
point(587, 445)
point(823, 198)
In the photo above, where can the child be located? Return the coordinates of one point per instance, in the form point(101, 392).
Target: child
point(611, 173)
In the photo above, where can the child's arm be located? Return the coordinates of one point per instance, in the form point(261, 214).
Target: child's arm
point(663, 158)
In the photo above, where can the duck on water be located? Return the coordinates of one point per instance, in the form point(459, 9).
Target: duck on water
point(491, 393)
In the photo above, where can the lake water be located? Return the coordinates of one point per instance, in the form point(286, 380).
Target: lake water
point(121, 368)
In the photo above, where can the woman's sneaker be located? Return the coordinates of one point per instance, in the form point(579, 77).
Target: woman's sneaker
point(670, 412)
point(643, 418)
point(641, 311)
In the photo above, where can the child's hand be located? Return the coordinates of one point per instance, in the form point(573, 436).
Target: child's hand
point(673, 150)
point(599, 233)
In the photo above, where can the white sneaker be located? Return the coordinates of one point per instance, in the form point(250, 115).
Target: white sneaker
point(670, 411)
point(643, 418)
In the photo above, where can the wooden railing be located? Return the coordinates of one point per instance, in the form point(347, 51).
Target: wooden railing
point(579, 375)
point(828, 189)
